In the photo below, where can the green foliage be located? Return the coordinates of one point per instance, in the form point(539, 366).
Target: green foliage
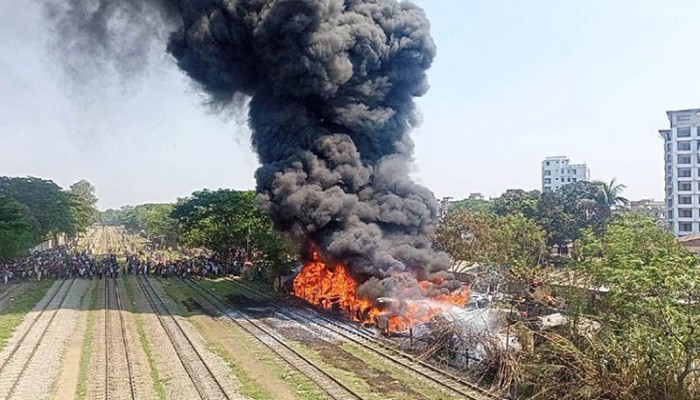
point(517, 201)
point(484, 238)
point(648, 346)
point(224, 220)
point(82, 212)
point(84, 190)
point(48, 205)
point(473, 205)
point(83, 204)
point(15, 229)
point(158, 222)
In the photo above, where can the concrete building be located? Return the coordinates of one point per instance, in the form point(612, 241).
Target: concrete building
point(682, 171)
point(558, 171)
point(651, 208)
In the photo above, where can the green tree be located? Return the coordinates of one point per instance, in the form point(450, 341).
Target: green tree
point(648, 344)
point(611, 194)
point(517, 201)
point(85, 190)
point(49, 206)
point(15, 229)
point(484, 238)
point(224, 220)
point(158, 222)
point(471, 205)
point(82, 213)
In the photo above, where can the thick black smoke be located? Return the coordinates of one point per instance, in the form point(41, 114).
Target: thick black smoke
point(331, 85)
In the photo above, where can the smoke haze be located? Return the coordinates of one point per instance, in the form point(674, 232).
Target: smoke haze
point(330, 85)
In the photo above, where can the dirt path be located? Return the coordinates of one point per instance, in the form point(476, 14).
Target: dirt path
point(67, 381)
point(140, 367)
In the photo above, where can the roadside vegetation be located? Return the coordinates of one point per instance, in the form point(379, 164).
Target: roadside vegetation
point(629, 292)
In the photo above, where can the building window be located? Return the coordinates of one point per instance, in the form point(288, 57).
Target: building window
point(685, 199)
point(684, 172)
point(683, 132)
point(683, 146)
point(546, 163)
point(573, 179)
point(568, 179)
point(685, 226)
point(685, 213)
point(547, 181)
point(547, 173)
point(684, 159)
point(668, 147)
point(670, 214)
point(684, 187)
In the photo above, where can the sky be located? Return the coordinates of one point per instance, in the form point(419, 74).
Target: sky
point(514, 82)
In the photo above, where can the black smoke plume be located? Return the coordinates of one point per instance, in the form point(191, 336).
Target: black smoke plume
point(331, 85)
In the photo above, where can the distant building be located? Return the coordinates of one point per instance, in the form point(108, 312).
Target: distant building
point(651, 208)
point(682, 171)
point(476, 196)
point(444, 206)
point(558, 171)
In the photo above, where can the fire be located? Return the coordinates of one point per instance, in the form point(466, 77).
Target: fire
point(332, 287)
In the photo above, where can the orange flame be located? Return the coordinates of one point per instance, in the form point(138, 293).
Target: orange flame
point(332, 287)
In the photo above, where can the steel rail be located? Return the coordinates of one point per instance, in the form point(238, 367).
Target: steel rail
point(278, 346)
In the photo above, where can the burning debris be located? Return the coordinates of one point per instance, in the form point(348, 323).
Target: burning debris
point(334, 287)
point(330, 85)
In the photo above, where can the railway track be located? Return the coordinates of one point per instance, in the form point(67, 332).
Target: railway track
point(204, 380)
point(367, 341)
point(15, 364)
point(325, 381)
point(116, 347)
point(8, 291)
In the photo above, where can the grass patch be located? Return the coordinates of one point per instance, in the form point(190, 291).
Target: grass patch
point(158, 386)
point(14, 314)
point(424, 387)
point(302, 387)
point(86, 348)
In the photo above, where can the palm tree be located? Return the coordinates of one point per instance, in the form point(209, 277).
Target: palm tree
point(611, 194)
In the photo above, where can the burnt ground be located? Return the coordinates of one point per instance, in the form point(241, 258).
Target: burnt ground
point(382, 382)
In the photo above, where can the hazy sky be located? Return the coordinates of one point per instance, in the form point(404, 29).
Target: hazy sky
point(514, 81)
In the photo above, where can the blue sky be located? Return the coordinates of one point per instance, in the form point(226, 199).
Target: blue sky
point(513, 82)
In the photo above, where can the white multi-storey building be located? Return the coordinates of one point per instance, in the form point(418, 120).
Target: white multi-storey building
point(682, 171)
point(557, 172)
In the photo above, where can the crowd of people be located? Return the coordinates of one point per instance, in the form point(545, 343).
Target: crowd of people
point(159, 264)
point(67, 262)
point(59, 263)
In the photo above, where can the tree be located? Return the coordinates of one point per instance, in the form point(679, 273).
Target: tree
point(85, 190)
point(158, 222)
point(610, 193)
point(517, 201)
point(648, 343)
point(227, 220)
point(82, 213)
point(484, 238)
point(471, 205)
point(49, 206)
point(15, 229)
